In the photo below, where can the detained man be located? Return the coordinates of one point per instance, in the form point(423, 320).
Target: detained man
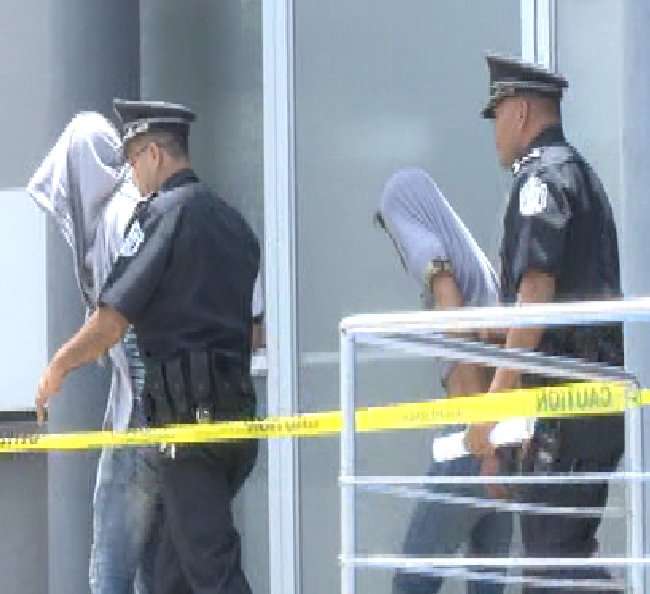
point(440, 253)
point(83, 186)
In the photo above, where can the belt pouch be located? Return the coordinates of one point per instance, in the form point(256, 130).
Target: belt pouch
point(227, 394)
point(201, 386)
point(177, 390)
point(156, 395)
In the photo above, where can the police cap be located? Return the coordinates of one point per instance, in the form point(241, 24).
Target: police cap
point(511, 76)
point(140, 117)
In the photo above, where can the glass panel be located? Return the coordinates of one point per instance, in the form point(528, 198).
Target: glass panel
point(595, 128)
point(378, 87)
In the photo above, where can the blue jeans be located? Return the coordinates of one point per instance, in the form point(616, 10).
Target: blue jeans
point(127, 517)
point(439, 529)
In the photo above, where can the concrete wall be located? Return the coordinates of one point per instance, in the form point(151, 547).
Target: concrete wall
point(208, 56)
point(58, 58)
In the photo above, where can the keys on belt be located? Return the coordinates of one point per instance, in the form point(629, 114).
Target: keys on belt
point(168, 450)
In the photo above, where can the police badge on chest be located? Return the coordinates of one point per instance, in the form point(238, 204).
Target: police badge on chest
point(533, 197)
point(132, 241)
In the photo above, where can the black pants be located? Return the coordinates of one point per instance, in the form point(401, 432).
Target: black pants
point(592, 444)
point(565, 536)
point(200, 549)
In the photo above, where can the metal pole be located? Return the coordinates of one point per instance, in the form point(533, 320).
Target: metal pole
point(634, 493)
point(279, 241)
point(348, 528)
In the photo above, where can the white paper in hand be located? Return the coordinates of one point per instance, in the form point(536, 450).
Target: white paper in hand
point(510, 432)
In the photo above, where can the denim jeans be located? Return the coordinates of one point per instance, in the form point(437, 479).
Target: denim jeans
point(439, 529)
point(127, 518)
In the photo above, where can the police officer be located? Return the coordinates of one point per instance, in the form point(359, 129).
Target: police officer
point(184, 279)
point(559, 244)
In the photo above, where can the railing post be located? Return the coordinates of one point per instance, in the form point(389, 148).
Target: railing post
point(634, 490)
point(348, 511)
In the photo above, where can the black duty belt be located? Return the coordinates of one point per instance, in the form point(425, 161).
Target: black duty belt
point(198, 386)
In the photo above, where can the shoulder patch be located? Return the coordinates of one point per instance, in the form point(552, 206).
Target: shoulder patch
point(132, 241)
point(533, 197)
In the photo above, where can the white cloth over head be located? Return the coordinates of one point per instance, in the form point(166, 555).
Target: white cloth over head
point(425, 227)
point(84, 186)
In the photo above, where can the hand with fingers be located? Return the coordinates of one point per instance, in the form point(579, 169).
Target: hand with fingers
point(477, 439)
point(48, 386)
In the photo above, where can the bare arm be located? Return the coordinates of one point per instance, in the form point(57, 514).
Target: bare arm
point(535, 287)
point(466, 378)
point(100, 332)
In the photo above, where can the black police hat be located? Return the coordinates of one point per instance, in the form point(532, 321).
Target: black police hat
point(511, 76)
point(140, 117)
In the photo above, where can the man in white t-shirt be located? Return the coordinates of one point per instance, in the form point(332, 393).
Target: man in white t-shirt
point(439, 252)
point(83, 185)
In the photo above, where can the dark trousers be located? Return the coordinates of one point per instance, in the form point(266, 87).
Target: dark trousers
point(591, 444)
point(439, 529)
point(565, 536)
point(200, 549)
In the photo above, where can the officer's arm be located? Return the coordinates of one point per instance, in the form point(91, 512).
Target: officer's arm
point(102, 330)
point(535, 287)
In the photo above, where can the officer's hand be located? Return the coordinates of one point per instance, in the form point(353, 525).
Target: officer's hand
point(48, 386)
point(477, 439)
point(490, 467)
point(493, 335)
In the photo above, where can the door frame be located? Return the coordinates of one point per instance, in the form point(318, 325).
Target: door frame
point(538, 44)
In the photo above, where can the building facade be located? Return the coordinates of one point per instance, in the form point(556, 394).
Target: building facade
point(304, 110)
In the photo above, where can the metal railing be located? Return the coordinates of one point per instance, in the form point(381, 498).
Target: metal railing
point(421, 334)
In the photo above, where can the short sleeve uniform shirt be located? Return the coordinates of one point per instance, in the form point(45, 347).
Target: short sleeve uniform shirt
point(559, 220)
point(186, 272)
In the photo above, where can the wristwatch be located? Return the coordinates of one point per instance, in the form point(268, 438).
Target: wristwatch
point(435, 267)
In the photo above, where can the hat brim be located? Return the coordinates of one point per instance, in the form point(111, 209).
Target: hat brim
point(487, 113)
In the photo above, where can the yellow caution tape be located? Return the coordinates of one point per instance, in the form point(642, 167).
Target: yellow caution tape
point(570, 400)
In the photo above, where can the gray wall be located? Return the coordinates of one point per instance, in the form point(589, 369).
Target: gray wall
point(86, 75)
point(208, 55)
point(23, 518)
point(59, 58)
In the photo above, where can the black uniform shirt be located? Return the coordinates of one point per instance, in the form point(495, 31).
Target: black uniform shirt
point(559, 220)
point(186, 271)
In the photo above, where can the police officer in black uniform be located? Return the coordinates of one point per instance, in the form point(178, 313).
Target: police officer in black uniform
point(559, 244)
point(185, 281)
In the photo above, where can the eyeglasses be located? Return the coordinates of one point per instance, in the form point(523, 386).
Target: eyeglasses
point(133, 158)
